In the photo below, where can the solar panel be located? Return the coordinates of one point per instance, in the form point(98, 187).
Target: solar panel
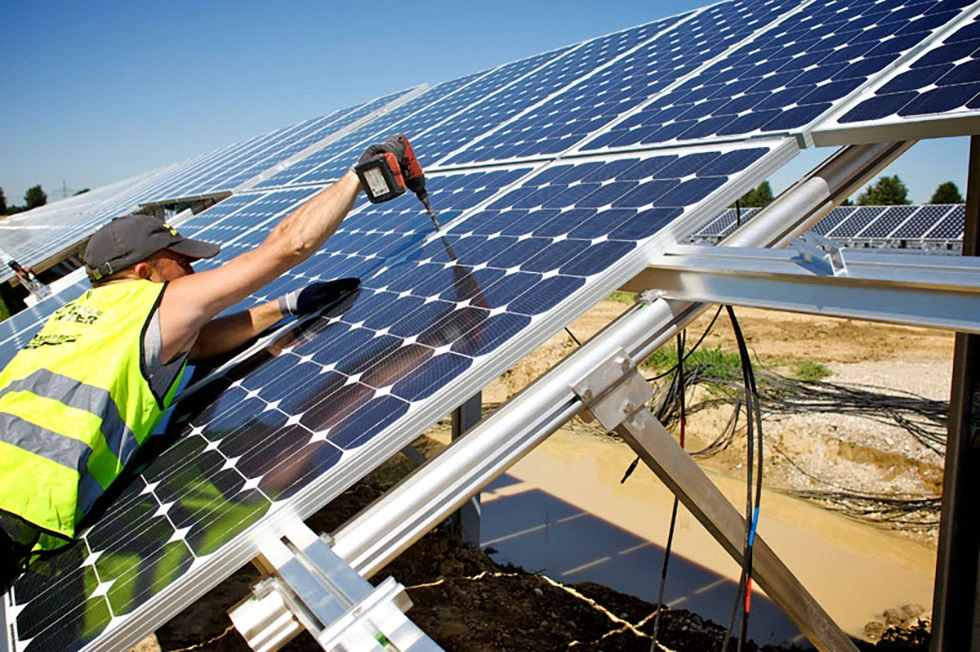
point(726, 222)
point(951, 226)
point(921, 222)
point(855, 222)
point(559, 122)
point(935, 94)
point(33, 236)
point(310, 169)
point(887, 220)
point(545, 245)
point(432, 108)
point(833, 218)
point(262, 152)
point(787, 77)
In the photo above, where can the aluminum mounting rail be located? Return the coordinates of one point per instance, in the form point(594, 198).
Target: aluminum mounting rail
point(817, 276)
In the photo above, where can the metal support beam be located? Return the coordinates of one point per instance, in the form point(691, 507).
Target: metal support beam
point(956, 605)
point(466, 520)
point(816, 276)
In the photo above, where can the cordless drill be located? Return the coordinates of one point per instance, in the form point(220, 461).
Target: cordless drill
point(384, 178)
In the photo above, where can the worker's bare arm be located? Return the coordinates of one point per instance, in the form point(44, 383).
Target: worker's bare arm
point(227, 333)
point(190, 302)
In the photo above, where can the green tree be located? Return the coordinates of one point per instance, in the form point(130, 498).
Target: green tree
point(886, 191)
point(3, 203)
point(35, 197)
point(947, 193)
point(758, 197)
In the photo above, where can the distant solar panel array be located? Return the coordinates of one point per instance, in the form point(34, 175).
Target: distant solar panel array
point(557, 178)
point(933, 228)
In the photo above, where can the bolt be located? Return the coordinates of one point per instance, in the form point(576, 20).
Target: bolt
point(628, 407)
point(586, 394)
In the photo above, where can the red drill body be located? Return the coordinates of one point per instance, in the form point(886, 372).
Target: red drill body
point(384, 178)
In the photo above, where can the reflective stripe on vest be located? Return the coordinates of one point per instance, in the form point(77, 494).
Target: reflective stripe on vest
point(68, 391)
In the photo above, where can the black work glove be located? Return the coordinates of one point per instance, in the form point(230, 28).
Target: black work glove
point(316, 295)
point(395, 145)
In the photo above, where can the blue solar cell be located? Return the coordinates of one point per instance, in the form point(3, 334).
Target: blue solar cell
point(431, 376)
point(948, 54)
point(941, 99)
point(915, 79)
point(962, 74)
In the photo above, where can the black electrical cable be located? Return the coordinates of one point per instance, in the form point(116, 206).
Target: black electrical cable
point(668, 400)
point(693, 348)
point(753, 493)
point(574, 339)
point(679, 382)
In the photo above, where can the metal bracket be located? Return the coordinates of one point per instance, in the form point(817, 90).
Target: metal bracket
point(825, 255)
point(312, 587)
point(614, 390)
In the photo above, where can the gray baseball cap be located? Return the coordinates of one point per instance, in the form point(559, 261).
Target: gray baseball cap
point(128, 240)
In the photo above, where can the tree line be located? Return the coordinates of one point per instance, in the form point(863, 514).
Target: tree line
point(886, 191)
point(34, 197)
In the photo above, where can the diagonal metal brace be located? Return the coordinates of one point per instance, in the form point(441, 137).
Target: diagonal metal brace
point(616, 394)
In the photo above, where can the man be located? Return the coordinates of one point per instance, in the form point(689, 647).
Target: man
point(89, 389)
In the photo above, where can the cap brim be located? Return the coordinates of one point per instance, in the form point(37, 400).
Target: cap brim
point(196, 248)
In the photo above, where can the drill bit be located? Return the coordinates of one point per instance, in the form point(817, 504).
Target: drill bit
point(428, 209)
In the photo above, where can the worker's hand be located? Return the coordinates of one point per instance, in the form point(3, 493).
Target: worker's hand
point(316, 295)
point(394, 145)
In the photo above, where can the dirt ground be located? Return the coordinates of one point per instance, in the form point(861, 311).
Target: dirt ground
point(466, 602)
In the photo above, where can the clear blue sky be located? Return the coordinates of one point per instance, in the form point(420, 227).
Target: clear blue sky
point(97, 92)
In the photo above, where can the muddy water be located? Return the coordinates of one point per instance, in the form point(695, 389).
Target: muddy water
point(563, 511)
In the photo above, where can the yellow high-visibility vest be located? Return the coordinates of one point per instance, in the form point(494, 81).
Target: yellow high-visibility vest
point(75, 404)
